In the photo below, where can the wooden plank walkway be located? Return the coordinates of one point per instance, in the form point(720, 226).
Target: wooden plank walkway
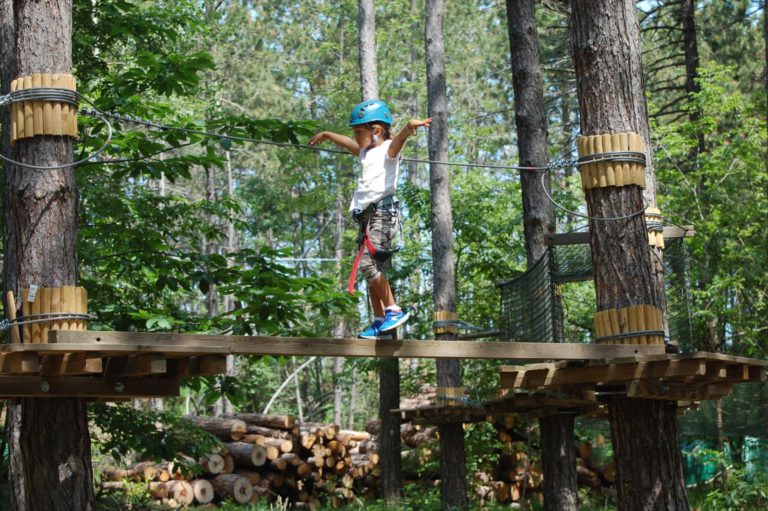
point(177, 345)
point(119, 365)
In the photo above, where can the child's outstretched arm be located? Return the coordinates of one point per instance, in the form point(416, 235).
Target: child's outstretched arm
point(410, 129)
point(340, 140)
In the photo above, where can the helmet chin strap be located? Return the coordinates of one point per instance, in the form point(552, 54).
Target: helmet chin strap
point(374, 137)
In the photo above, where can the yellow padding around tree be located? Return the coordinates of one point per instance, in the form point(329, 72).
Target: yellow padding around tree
point(44, 303)
point(655, 227)
point(31, 118)
point(445, 316)
point(450, 396)
point(608, 171)
point(617, 326)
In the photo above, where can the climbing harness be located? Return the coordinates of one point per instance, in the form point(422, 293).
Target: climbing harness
point(380, 254)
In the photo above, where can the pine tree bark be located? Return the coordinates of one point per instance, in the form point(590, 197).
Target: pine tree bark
point(366, 28)
point(530, 119)
point(691, 51)
point(453, 470)
point(389, 370)
point(50, 449)
point(557, 445)
point(606, 42)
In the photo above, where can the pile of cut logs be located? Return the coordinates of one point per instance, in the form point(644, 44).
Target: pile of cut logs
point(589, 473)
point(514, 477)
point(266, 457)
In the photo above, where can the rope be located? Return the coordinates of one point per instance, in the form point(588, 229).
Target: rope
point(151, 124)
point(69, 96)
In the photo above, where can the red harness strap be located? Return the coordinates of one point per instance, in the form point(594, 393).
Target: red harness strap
point(353, 274)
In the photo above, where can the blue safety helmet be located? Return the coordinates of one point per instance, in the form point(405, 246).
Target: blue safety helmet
point(373, 110)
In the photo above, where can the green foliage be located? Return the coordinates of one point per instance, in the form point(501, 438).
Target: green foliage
point(482, 447)
point(722, 191)
point(134, 498)
point(736, 493)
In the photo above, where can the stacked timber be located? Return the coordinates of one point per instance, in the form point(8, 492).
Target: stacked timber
point(589, 472)
point(263, 458)
point(514, 477)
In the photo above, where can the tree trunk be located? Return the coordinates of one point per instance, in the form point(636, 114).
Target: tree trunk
point(50, 449)
point(453, 482)
point(557, 447)
point(339, 323)
point(611, 96)
point(558, 462)
point(389, 370)
point(649, 465)
point(366, 28)
point(691, 50)
point(530, 118)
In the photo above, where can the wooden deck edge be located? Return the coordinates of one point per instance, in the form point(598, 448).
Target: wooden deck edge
point(189, 345)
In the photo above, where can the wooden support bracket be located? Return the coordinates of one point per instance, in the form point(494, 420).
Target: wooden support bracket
point(19, 363)
point(71, 364)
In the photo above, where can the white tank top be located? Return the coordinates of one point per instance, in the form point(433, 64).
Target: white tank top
point(378, 176)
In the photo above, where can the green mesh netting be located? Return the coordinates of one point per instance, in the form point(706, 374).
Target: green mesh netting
point(744, 412)
point(531, 304)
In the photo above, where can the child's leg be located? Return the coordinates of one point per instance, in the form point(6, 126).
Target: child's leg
point(381, 295)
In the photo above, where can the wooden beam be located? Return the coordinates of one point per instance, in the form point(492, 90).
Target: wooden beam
point(87, 387)
point(677, 391)
point(136, 365)
point(603, 374)
point(71, 364)
point(207, 365)
point(184, 344)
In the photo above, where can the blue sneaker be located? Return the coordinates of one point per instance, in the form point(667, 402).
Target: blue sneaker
point(373, 331)
point(393, 319)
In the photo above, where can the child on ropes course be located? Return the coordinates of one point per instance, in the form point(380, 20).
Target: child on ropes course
point(374, 206)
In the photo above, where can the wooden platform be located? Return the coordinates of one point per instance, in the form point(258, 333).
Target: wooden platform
point(538, 390)
point(528, 404)
point(120, 365)
point(686, 377)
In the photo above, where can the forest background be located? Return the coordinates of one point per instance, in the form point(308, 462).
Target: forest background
point(187, 232)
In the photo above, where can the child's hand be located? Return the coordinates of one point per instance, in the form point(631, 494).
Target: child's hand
point(320, 137)
point(415, 124)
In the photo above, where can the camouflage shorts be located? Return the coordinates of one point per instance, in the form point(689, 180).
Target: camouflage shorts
point(382, 229)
